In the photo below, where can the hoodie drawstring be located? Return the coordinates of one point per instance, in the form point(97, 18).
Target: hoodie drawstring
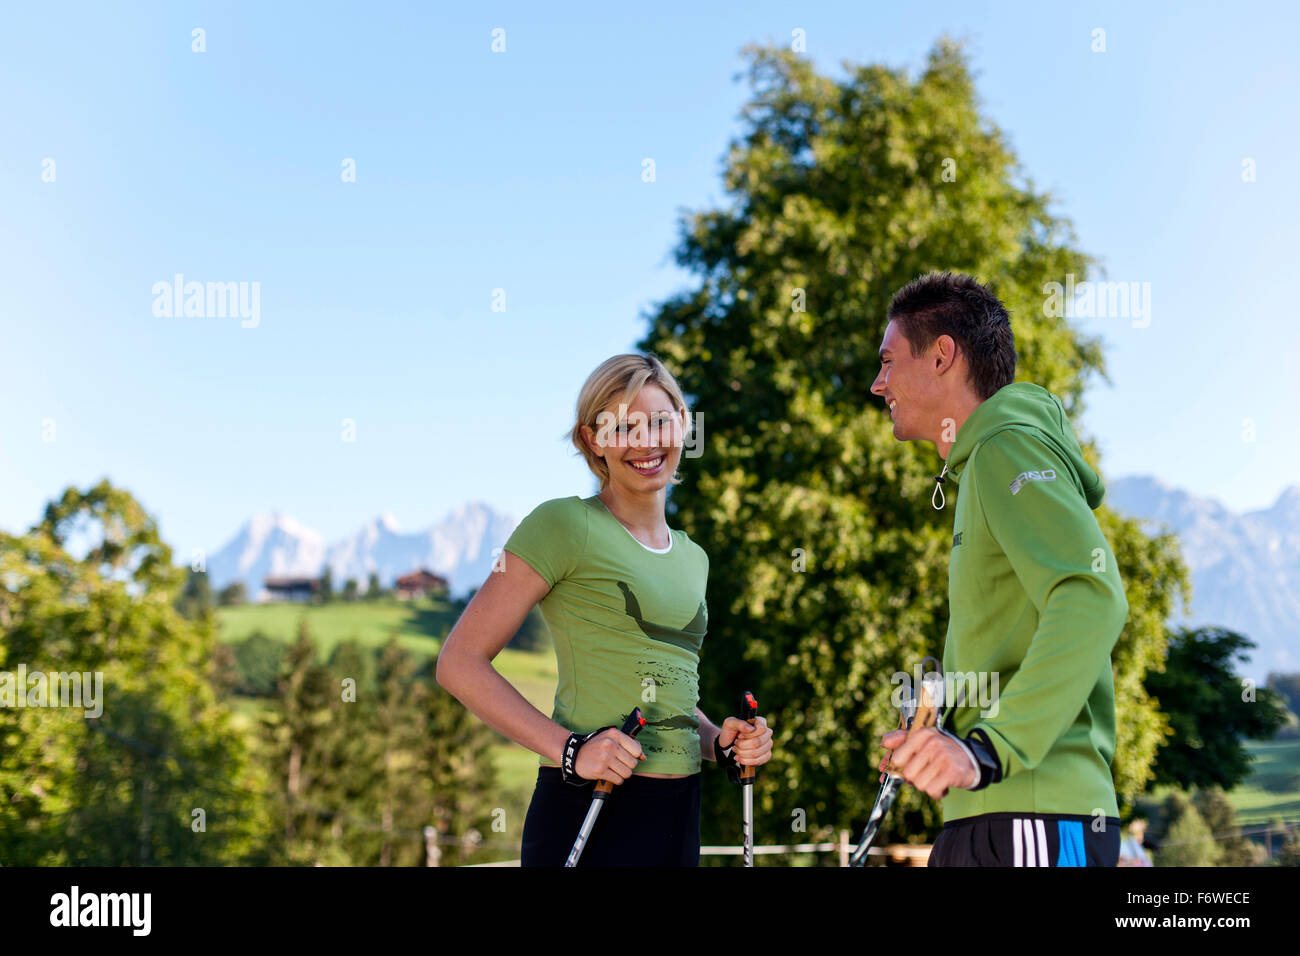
point(938, 490)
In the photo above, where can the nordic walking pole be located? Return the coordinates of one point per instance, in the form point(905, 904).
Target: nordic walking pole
point(915, 714)
point(632, 726)
point(748, 711)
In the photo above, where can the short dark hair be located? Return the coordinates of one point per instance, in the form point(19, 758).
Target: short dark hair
point(949, 303)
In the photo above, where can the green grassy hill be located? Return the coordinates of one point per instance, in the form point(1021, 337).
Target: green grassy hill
point(1273, 788)
point(420, 626)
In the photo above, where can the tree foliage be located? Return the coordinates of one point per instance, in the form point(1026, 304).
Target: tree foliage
point(366, 751)
point(195, 601)
point(1289, 852)
point(532, 634)
point(828, 564)
point(1188, 840)
point(160, 776)
point(1213, 806)
point(1287, 686)
point(258, 659)
point(1211, 711)
point(233, 594)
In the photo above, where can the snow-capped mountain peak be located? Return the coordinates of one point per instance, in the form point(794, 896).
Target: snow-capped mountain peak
point(271, 545)
point(1245, 568)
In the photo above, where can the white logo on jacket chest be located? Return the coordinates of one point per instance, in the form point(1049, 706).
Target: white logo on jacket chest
point(1046, 474)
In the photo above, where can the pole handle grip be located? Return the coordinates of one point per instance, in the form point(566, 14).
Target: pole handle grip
point(924, 712)
point(632, 726)
point(748, 711)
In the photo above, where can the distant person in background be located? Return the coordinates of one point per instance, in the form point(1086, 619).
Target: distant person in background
point(1132, 849)
point(623, 596)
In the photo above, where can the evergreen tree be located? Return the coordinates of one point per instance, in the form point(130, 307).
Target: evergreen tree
point(367, 751)
point(1289, 853)
point(532, 634)
point(350, 661)
point(195, 601)
point(457, 759)
point(350, 774)
point(405, 794)
point(298, 732)
point(223, 672)
point(233, 595)
point(1221, 819)
point(259, 659)
point(1188, 841)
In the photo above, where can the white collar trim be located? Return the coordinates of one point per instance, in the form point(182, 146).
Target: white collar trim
point(635, 538)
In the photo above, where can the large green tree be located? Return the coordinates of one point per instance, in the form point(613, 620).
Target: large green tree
point(1212, 711)
point(154, 772)
point(829, 565)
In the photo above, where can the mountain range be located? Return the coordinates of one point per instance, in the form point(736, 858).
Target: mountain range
point(459, 548)
point(1244, 567)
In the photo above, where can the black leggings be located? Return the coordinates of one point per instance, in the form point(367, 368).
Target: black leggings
point(646, 821)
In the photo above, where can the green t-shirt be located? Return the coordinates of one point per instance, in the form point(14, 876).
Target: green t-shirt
point(627, 622)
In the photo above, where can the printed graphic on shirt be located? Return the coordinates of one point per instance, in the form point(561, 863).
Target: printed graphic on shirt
point(690, 638)
point(676, 734)
point(660, 674)
point(1047, 474)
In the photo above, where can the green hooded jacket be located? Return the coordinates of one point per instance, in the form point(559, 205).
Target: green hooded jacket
point(1036, 605)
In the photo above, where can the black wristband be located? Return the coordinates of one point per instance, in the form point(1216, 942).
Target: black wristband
point(987, 758)
point(727, 759)
point(569, 759)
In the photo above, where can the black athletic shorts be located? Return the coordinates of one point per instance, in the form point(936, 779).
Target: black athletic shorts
point(1027, 839)
point(646, 821)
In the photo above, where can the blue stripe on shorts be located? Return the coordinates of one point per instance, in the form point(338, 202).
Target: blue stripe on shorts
point(1072, 852)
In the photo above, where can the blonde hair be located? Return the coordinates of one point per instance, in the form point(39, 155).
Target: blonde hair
point(619, 380)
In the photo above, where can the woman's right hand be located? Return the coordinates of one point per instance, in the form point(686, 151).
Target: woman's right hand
point(611, 755)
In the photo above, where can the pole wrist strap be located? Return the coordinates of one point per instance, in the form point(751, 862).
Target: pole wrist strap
point(727, 759)
point(569, 760)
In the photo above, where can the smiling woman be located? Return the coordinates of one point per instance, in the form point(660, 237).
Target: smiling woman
point(630, 412)
point(624, 598)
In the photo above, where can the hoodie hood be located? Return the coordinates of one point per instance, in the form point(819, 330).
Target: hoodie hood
point(1030, 408)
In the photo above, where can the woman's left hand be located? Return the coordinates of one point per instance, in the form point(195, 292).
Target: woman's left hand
point(753, 744)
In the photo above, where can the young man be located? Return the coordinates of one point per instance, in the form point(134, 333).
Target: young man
point(1034, 595)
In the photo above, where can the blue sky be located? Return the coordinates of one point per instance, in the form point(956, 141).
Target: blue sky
point(522, 170)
